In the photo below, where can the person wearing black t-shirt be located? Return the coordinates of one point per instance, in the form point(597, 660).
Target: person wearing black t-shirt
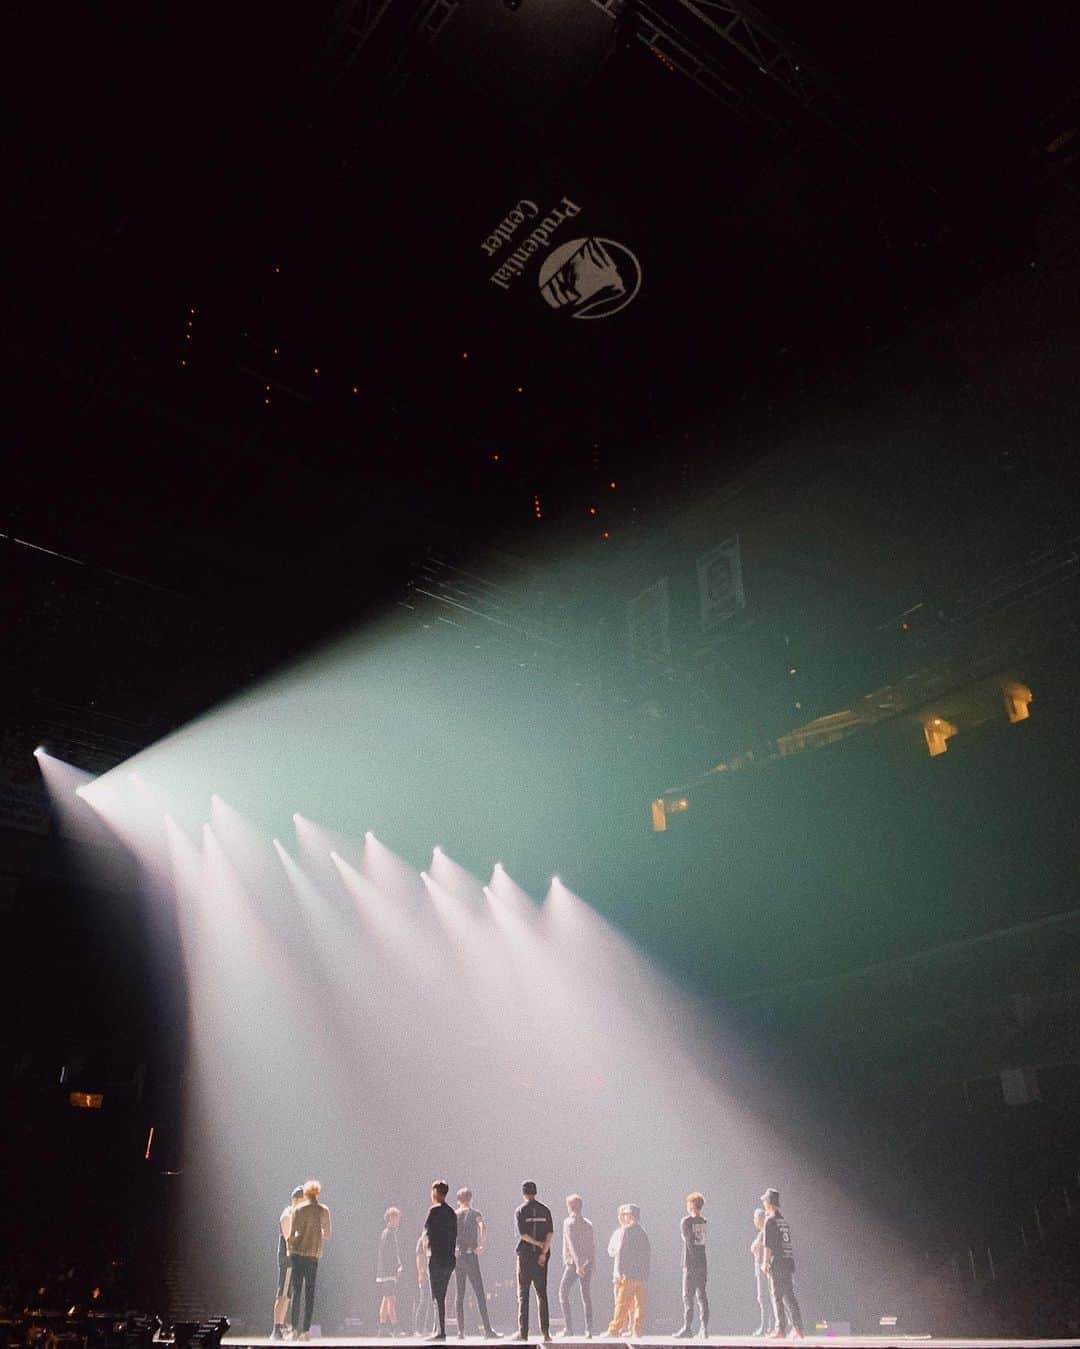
point(695, 1270)
point(470, 1242)
point(535, 1229)
point(440, 1237)
point(778, 1262)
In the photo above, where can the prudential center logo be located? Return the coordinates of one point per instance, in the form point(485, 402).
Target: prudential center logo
point(590, 278)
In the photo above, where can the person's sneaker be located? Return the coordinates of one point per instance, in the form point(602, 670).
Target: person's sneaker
point(439, 1335)
point(492, 1334)
point(304, 1335)
point(684, 1334)
point(278, 1333)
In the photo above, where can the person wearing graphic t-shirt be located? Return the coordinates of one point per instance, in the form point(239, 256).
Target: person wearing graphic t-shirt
point(440, 1238)
point(388, 1271)
point(778, 1262)
point(766, 1320)
point(630, 1248)
point(535, 1229)
point(695, 1270)
point(579, 1261)
point(470, 1242)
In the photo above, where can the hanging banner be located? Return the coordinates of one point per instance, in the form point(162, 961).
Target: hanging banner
point(720, 583)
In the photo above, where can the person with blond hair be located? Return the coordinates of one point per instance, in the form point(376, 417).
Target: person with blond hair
point(388, 1271)
point(308, 1233)
point(630, 1249)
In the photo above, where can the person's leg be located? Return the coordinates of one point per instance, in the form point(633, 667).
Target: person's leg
point(296, 1307)
point(791, 1304)
point(523, 1285)
point(703, 1303)
point(309, 1293)
point(686, 1328)
point(566, 1284)
point(540, 1280)
point(586, 1299)
point(621, 1315)
point(779, 1312)
point(459, 1275)
point(638, 1326)
point(477, 1281)
point(440, 1282)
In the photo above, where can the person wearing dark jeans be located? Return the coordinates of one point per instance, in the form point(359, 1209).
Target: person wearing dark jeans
point(778, 1261)
point(695, 1270)
point(535, 1229)
point(470, 1243)
point(308, 1232)
point(579, 1260)
point(440, 1235)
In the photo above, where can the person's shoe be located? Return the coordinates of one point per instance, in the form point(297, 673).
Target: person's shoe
point(796, 1335)
point(490, 1333)
point(437, 1336)
point(521, 1337)
point(304, 1336)
point(546, 1336)
point(703, 1333)
point(278, 1333)
point(684, 1334)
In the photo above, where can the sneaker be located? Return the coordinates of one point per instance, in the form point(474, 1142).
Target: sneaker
point(439, 1336)
point(492, 1334)
point(304, 1335)
point(684, 1334)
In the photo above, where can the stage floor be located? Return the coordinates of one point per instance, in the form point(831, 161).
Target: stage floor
point(718, 1341)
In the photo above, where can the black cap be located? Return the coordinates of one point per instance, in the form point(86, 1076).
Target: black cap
point(771, 1197)
point(529, 1187)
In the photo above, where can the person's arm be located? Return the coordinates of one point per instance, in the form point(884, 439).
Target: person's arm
point(420, 1263)
point(286, 1223)
point(766, 1248)
point(325, 1223)
point(481, 1228)
point(523, 1230)
point(615, 1242)
point(755, 1247)
point(647, 1254)
point(545, 1245)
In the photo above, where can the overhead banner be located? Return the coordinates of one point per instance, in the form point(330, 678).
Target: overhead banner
point(720, 583)
point(585, 276)
point(648, 620)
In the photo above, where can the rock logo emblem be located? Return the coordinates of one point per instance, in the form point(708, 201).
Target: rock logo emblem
point(592, 278)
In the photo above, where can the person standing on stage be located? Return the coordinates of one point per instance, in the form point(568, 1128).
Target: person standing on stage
point(535, 1229)
point(631, 1251)
point(281, 1301)
point(470, 1243)
point(388, 1271)
point(440, 1238)
point(695, 1270)
point(764, 1296)
point(579, 1261)
point(778, 1261)
point(308, 1232)
point(425, 1307)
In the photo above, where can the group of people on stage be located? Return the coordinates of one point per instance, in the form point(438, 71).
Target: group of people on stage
point(452, 1241)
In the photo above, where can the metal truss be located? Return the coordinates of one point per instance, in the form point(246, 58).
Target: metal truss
point(740, 28)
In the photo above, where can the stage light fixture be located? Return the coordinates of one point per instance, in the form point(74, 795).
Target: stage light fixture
point(39, 751)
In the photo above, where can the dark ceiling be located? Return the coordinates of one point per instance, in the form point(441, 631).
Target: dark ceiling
point(257, 358)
